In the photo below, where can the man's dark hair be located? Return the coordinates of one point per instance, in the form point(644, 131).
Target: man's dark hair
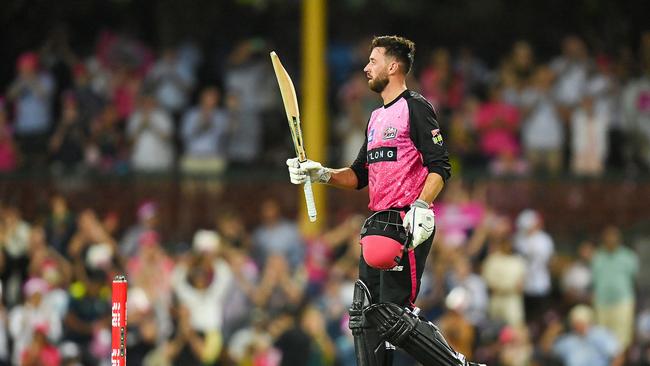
point(399, 47)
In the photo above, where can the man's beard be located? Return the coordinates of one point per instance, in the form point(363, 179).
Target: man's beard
point(378, 84)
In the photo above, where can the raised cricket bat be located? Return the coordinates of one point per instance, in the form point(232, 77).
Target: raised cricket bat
point(293, 116)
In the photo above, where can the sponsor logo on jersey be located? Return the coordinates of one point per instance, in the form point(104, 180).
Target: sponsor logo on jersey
point(370, 135)
point(390, 133)
point(382, 154)
point(436, 137)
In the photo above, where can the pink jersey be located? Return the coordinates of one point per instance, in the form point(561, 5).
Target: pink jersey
point(396, 174)
point(403, 146)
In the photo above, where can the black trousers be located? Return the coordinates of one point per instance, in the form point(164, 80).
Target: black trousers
point(402, 284)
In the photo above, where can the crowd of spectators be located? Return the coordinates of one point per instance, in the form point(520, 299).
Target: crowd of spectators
point(263, 294)
point(122, 109)
point(125, 108)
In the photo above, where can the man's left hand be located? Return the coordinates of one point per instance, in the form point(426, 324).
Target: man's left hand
point(419, 221)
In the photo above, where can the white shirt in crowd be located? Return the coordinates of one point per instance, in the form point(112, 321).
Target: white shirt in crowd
point(607, 97)
point(152, 147)
point(537, 249)
point(208, 140)
point(173, 80)
point(571, 80)
point(254, 84)
point(206, 306)
point(589, 139)
point(24, 319)
point(542, 128)
point(577, 279)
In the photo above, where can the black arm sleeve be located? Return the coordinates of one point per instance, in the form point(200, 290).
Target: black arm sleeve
point(423, 126)
point(360, 164)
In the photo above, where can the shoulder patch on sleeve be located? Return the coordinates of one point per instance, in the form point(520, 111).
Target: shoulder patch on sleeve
point(436, 136)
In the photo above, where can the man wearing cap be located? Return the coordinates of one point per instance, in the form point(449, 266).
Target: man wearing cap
point(404, 163)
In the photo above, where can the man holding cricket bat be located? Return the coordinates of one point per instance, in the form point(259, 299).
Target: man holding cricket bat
point(404, 163)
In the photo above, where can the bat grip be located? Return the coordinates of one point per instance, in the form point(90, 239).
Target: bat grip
point(309, 198)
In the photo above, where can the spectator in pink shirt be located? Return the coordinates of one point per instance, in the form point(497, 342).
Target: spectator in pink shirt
point(497, 123)
point(41, 351)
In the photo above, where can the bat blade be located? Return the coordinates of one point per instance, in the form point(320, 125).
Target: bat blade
point(290, 100)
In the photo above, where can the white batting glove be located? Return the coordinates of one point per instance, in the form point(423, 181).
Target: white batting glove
point(309, 169)
point(419, 221)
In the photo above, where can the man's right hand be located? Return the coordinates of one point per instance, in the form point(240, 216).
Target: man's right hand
point(309, 169)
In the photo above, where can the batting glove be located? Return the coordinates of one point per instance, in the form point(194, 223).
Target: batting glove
point(309, 169)
point(419, 221)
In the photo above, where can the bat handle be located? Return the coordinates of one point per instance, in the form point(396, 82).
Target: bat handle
point(309, 198)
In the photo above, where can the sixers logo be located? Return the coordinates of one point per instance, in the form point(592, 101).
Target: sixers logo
point(390, 133)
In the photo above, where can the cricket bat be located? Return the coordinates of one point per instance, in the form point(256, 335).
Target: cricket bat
point(293, 116)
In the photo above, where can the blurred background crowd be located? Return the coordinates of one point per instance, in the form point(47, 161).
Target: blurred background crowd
point(126, 153)
point(127, 108)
